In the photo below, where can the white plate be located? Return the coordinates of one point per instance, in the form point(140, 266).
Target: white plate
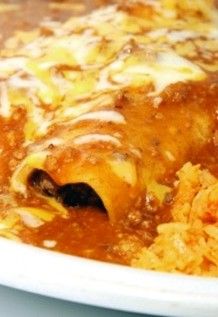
point(106, 285)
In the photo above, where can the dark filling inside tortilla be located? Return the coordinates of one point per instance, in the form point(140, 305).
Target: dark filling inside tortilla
point(72, 195)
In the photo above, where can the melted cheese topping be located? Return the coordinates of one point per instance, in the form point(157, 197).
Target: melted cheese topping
point(72, 75)
point(19, 178)
point(103, 115)
point(96, 138)
point(4, 101)
point(101, 53)
point(8, 7)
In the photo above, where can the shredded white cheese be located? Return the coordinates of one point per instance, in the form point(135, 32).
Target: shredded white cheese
point(103, 115)
point(49, 244)
point(94, 138)
point(5, 105)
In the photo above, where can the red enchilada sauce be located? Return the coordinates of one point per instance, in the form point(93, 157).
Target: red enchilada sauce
point(87, 232)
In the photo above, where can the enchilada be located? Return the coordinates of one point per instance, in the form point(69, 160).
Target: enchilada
point(97, 116)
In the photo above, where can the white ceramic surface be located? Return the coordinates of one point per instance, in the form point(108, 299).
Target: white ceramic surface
point(106, 285)
point(33, 305)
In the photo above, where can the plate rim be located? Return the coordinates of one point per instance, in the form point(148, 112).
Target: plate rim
point(113, 286)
